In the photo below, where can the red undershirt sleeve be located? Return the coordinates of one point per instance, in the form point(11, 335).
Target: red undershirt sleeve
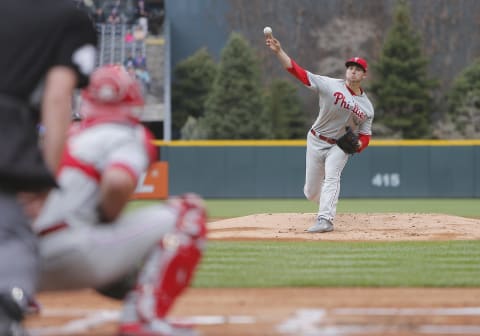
point(299, 72)
point(365, 139)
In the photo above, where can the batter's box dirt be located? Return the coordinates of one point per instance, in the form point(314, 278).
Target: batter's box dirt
point(349, 227)
point(266, 312)
point(307, 311)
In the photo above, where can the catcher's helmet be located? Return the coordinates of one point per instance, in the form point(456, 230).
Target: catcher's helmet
point(113, 85)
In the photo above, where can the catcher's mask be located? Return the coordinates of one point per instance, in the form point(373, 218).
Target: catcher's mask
point(111, 89)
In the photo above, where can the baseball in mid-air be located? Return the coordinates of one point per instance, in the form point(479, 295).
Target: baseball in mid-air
point(267, 31)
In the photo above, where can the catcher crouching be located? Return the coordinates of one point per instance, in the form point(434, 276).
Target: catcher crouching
point(147, 256)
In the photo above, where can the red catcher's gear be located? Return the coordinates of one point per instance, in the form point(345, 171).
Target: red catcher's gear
point(113, 85)
point(170, 267)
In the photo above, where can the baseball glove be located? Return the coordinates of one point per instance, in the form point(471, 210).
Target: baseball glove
point(348, 142)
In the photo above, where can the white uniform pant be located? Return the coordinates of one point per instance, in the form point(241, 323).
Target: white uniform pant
point(91, 256)
point(324, 166)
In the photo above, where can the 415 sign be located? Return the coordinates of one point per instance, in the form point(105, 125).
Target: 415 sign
point(386, 180)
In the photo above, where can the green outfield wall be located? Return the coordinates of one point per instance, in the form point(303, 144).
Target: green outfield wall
point(275, 169)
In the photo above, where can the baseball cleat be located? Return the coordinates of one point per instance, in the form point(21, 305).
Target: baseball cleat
point(322, 225)
point(11, 313)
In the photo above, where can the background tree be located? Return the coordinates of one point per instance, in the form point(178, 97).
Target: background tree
point(193, 81)
point(464, 101)
point(284, 110)
point(234, 108)
point(193, 130)
point(401, 87)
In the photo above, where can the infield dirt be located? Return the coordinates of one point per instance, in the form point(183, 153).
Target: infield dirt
point(298, 311)
point(349, 227)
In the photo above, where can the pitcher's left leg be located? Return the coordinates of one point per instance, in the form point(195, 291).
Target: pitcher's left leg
point(314, 169)
point(334, 164)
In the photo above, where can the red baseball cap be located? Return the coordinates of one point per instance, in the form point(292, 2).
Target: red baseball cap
point(357, 61)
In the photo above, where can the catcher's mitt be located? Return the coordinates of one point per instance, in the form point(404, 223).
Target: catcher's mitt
point(348, 142)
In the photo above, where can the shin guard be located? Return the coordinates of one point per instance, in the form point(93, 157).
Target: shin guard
point(170, 267)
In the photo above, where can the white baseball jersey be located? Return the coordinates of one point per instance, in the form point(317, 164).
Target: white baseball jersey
point(91, 150)
point(338, 108)
point(76, 249)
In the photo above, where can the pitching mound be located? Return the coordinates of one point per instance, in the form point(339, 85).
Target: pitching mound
point(348, 227)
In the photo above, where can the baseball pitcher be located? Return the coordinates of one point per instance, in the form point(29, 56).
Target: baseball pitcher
point(86, 238)
point(342, 128)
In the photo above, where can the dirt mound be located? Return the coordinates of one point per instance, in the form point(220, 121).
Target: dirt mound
point(348, 227)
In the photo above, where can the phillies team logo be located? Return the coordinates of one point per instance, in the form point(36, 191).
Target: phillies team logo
point(354, 108)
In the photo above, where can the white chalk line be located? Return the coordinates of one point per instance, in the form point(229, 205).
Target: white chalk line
point(464, 311)
point(310, 322)
point(450, 329)
point(93, 318)
point(90, 318)
point(305, 322)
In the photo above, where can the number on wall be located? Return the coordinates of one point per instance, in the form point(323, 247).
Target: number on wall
point(386, 180)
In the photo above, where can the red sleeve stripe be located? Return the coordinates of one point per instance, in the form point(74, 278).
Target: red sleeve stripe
point(70, 161)
point(299, 72)
point(365, 139)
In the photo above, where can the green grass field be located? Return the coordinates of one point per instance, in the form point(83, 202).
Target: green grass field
point(288, 264)
point(240, 207)
point(332, 264)
point(227, 208)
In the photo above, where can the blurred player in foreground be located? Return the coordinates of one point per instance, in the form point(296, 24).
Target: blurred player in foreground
point(343, 127)
point(87, 240)
point(48, 50)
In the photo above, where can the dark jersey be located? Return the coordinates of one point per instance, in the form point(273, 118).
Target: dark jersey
point(37, 35)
